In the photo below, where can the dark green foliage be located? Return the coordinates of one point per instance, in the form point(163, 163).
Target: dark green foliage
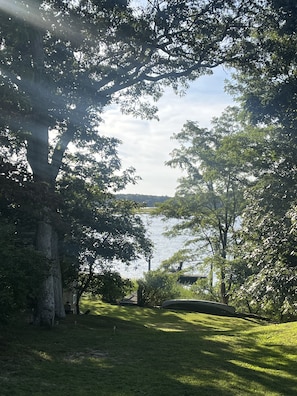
point(267, 91)
point(62, 62)
point(265, 80)
point(99, 225)
point(22, 271)
point(266, 86)
point(22, 268)
point(269, 241)
point(156, 287)
point(110, 286)
point(99, 231)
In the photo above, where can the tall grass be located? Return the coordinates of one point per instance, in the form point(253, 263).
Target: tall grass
point(126, 351)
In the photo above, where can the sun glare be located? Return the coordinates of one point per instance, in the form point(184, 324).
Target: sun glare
point(45, 18)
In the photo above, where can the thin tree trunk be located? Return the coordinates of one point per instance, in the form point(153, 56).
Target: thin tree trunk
point(224, 295)
point(77, 302)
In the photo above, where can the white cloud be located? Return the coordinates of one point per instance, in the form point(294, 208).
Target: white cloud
point(146, 144)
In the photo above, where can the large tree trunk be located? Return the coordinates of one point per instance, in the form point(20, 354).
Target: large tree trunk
point(57, 277)
point(50, 302)
point(45, 314)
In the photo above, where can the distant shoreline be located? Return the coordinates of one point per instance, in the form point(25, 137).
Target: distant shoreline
point(147, 201)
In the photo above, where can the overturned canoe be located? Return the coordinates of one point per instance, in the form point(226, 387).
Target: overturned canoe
point(203, 306)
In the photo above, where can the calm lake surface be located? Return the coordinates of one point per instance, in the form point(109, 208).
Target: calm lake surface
point(164, 247)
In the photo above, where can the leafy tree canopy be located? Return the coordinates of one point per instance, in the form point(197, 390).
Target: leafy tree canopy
point(265, 85)
point(209, 198)
point(265, 78)
point(62, 62)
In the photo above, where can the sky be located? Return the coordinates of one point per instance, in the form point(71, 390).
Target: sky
point(146, 144)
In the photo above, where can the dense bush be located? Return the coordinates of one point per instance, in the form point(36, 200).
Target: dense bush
point(21, 272)
point(272, 292)
point(111, 287)
point(156, 287)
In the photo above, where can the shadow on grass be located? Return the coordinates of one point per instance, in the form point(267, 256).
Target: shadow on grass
point(144, 352)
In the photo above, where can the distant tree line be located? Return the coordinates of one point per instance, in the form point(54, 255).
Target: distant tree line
point(149, 201)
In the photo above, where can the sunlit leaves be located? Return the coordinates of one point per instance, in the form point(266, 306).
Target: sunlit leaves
point(209, 198)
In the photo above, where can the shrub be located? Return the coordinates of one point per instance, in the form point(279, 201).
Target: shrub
point(271, 292)
point(111, 286)
point(22, 270)
point(156, 287)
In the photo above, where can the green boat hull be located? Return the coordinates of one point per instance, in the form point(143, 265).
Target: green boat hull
point(202, 306)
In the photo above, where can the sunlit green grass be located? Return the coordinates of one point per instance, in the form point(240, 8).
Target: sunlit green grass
point(134, 351)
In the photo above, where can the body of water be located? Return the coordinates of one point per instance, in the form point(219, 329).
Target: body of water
point(164, 247)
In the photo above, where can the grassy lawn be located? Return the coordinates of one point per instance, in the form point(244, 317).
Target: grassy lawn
point(134, 351)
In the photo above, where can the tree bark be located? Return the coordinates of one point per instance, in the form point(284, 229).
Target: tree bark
point(50, 303)
point(57, 277)
point(224, 295)
point(45, 314)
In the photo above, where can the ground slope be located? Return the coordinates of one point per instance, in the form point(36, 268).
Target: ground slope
point(126, 351)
